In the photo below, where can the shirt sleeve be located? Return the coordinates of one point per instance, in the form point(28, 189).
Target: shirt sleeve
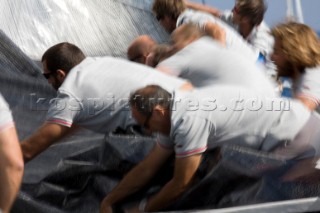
point(6, 120)
point(309, 86)
point(64, 109)
point(191, 136)
point(165, 142)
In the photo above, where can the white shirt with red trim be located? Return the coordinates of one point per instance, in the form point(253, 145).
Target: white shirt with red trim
point(95, 93)
point(211, 117)
point(309, 85)
point(6, 120)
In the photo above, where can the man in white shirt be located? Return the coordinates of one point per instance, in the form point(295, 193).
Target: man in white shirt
point(92, 93)
point(172, 14)
point(189, 123)
point(247, 18)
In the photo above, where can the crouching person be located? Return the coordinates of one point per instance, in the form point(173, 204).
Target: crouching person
point(189, 123)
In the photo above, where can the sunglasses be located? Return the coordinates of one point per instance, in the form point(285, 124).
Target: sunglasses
point(158, 17)
point(136, 58)
point(47, 75)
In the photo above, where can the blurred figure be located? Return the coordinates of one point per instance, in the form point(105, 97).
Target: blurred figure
point(247, 18)
point(11, 162)
point(204, 62)
point(92, 93)
point(297, 56)
point(190, 130)
point(173, 13)
point(140, 48)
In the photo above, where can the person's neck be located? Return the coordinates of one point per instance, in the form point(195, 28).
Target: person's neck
point(245, 30)
point(297, 72)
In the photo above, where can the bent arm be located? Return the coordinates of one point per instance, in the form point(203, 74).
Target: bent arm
point(47, 135)
point(196, 6)
point(185, 169)
point(137, 177)
point(11, 167)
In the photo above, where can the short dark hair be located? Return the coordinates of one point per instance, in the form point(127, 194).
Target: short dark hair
point(146, 98)
point(63, 56)
point(170, 8)
point(253, 9)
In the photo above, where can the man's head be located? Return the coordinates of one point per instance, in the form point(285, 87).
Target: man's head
point(167, 12)
point(140, 48)
point(250, 11)
point(58, 60)
point(151, 108)
point(296, 47)
point(184, 35)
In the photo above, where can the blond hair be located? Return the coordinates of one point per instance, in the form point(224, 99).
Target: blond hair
point(299, 43)
point(170, 8)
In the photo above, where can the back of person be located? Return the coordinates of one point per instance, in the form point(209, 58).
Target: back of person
point(95, 92)
point(233, 39)
point(205, 63)
point(230, 114)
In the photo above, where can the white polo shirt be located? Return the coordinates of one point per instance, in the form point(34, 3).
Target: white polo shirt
point(95, 93)
point(211, 117)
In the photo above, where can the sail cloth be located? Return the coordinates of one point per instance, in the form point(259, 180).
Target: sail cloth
point(99, 27)
point(75, 175)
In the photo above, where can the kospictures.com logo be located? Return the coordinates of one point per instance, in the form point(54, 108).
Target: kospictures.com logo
point(111, 103)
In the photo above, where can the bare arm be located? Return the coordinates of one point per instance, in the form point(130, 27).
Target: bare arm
point(136, 178)
point(47, 135)
point(196, 6)
point(11, 167)
point(185, 169)
point(165, 70)
point(311, 105)
point(216, 32)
